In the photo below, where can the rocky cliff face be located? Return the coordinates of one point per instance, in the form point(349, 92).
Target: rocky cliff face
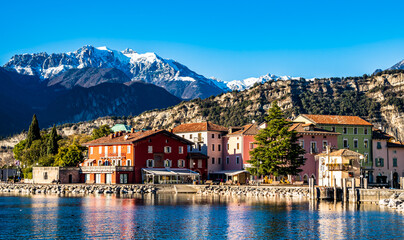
point(378, 99)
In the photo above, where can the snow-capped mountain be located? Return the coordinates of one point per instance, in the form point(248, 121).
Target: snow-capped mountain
point(399, 65)
point(249, 82)
point(148, 67)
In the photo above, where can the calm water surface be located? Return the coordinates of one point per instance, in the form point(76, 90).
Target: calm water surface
point(192, 217)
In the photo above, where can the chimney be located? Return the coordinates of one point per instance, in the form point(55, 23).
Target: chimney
point(132, 130)
point(111, 136)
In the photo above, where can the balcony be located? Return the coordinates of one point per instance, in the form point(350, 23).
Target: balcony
point(339, 167)
point(198, 139)
point(314, 150)
point(114, 155)
point(105, 169)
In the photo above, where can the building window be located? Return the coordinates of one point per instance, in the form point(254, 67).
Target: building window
point(213, 135)
point(355, 143)
point(199, 147)
point(183, 136)
point(366, 157)
point(355, 130)
point(346, 143)
point(237, 160)
point(113, 163)
point(167, 149)
point(114, 149)
point(365, 131)
point(251, 145)
point(345, 130)
point(99, 163)
point(365, 143)
point(180, 149)
point(332, 129)
point(190, 136)
point(167, 163)
point(219, 136)
point(106, 163)
point(91, 150)
point(106, 150)
point(99, 150)
point(149, 139)
point(166, 140)
point(128, 149)
point(238, 146)
point(227, 160)
point(313, 147)
point(150, 163)
point(379, 145)
point(219, 160)
point(379, 162)
point(150, 149)
point(119, 163)
point(394, 162)
point(213, 160)
point(191, 148)
point(213, 147)
point(394, 151)
point(45, 175)
point(128, 162)
point(181, 163)
point(219, 147)
point(325, 144)
point(301, 142)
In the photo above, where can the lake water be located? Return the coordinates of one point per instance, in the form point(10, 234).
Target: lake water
point(192, 217)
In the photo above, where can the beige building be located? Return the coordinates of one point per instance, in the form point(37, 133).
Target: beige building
point(339, 164)
point(46, 175)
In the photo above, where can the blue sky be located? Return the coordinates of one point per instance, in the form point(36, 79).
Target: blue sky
point(224, 39)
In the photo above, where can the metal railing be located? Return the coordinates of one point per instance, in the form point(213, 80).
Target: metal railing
point(105, 169)
point(338, 167)
point(198, 139)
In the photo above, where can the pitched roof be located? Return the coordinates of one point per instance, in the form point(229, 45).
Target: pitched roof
point(132, 137)
point(198, 127)
point(395, 145)
point(300, 128)
point(379, 134)
point(342, 153)
point(121, 127)
point(337, 119)
point(249, 129)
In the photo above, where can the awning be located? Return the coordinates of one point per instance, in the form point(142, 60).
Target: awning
point(170, 172)
point(230, 172)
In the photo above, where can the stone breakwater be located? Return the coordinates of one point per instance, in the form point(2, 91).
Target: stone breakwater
point(251, 191)
point(396, 201)
point(76, 189)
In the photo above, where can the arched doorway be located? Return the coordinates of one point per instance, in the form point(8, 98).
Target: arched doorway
point(395, 180)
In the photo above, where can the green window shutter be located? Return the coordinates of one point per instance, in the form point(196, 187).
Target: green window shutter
point(394, 162)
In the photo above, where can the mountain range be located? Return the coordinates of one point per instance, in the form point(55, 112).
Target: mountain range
point(95, 82)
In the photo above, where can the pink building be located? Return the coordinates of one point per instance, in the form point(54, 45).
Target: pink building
point(388, 160)
point(238, 145)
point(314, 141)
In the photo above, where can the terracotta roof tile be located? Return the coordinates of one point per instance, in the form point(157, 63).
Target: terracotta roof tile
point(198, 127)
point(132, 137)
point(300, 128)
point(342, 152)
point(337, 119)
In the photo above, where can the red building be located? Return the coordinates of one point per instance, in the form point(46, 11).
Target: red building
point(156, 155)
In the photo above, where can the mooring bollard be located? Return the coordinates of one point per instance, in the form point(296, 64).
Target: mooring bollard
point(365, 181)
point(335, 189)
point(353, 190)
point(344, 190)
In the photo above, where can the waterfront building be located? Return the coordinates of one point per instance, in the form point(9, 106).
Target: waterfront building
point(313, 140)
point(388, 161)
point(156, 155)
point(355, 134)
point(47, 175)
point(339, 164)
point(207, 139)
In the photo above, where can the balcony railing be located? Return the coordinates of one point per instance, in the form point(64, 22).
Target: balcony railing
point(105, 169)
point(198, 139)
point(338, 167)
point(313, 150)
point(114, 155)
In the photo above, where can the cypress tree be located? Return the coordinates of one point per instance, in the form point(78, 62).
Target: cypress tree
point(278, 152)
point(33, 132)
point(53, 146)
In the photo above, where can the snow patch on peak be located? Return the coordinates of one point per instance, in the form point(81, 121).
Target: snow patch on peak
point(249, 82)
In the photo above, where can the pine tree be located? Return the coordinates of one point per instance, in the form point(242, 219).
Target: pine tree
point(278, 152)
point(33, 132)
point(53, 146)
